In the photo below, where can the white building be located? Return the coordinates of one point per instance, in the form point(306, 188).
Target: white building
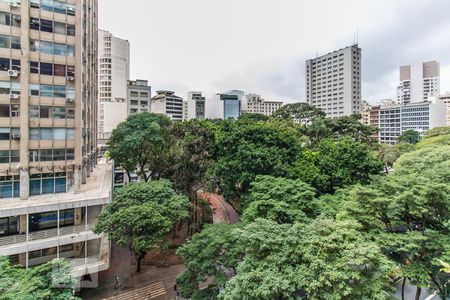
point(420, 116)
point(333, 82)
point(225, 105)
point(195, 103)
point(114, 73)
point(139, 96)
point(255, 104)
point(418, 82)
point(167, 103)
point(446, 99)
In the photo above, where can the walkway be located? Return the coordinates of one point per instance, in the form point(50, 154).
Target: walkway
point(222, 211)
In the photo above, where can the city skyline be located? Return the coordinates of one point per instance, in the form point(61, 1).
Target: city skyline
point(261, 47)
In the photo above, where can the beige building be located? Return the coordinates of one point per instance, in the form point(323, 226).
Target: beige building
point(365, 112)
point(418, 82)
point(114, 73)
point(255, 104)
point(169, 104)
point(50, 192)
point(333, 82)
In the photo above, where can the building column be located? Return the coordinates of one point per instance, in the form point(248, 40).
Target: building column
point(77, 179)
point(24, 184)
point(83, 173)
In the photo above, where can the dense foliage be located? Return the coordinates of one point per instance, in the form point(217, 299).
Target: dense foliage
point(48, 281)
point(141, 214)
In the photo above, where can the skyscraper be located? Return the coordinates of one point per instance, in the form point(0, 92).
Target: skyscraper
point(333, 82)
point(48, 142)
point(418, 82)
point(114, 73)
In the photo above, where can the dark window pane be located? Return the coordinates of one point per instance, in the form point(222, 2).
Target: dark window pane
point(60, 70)
point(46, 69)
point(4, 64)
point(34, 23)
point(34, 67)
point(4, 111)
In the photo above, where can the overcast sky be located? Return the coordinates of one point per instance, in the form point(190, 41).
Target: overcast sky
point(260, 46)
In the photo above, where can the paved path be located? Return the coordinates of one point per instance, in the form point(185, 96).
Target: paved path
point(222, 211)
point(151, 291)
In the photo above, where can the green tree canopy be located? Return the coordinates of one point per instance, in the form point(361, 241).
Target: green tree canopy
point(244, 150)
point(142, 144)
point(334, 164)
point(323, 260)
point(303, 113)
point(141, 214)
point(51, 280)
point(409, 136)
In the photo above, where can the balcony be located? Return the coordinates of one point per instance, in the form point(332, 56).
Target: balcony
point(44, 234)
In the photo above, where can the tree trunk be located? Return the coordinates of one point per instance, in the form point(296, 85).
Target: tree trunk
point(418, 291)
point(403, 288)
point(174, 234)
point(139, 258)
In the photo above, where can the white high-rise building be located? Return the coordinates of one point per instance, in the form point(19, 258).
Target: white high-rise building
point(418, 82)
point(255, 104)
point(114, 73)
point(195, 105)
point(225, 106)
point(333, 82)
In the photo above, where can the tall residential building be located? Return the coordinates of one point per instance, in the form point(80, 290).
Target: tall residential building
point(255, 104)
point(114, 73)
point(224, 106)
point(139, 96)
point(374, 120)
point(195, 105)
point(420, 116)
point(169, 104)
point(418, 82)
point(50, 192)
point(365, 112)
point(333, 82)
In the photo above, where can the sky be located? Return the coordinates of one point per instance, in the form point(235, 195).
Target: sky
point(260, 46)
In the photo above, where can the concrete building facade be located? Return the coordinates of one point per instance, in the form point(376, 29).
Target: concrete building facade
point(418, 82)
point(50, 193)
point(333, 82)
point(255, 104)
point(169, 104)
point(195, 102)
point(114, 73)
point(139, 96)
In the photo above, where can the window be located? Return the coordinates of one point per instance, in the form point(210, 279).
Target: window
point(70, 30)
point(34, 89)
point(46, 69)
point(59, 154)
point(5, 41)
point(59, 113)
point(4, 87)
point(60, 28)
point(4, 111)
point(45, 155)
point(59, 70)
point(34, 67)
point(46, 25)
point(71, 71)
point(46, 133)
point(46, 90)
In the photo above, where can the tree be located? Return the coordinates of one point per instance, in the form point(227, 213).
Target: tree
point(142, 144)
point(194, 142)
point(351, 126)
point(407, 212)
point(245, 150)
point(254, 117)
point(51, 280)
point(409, 136)
point(141, 214)
point(323, 260)
point(388, 155)
point(267, 193)
point(211, 256)
point(334, 164)
point(303, 113)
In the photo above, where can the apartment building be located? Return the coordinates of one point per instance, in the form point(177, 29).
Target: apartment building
point(365, 112)
point(374, 120)
point(51, 187)
point(333, 82)
point(169, 104)
point(114, 73)
point(418, 82)
point(139, 96)
point(421, 116)
point(255, 104)
point(225, 106)
point(195, 102)
point(446, 100)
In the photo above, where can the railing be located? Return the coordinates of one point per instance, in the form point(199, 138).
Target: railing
point(44, 234)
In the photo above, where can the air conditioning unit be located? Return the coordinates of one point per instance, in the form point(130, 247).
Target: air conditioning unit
point(70, 78)
point(17, 18)
point(35, 21)
point(14, 4)
point(15, 136)
point(70, 100)
point(14, 96)
point(13, 73)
